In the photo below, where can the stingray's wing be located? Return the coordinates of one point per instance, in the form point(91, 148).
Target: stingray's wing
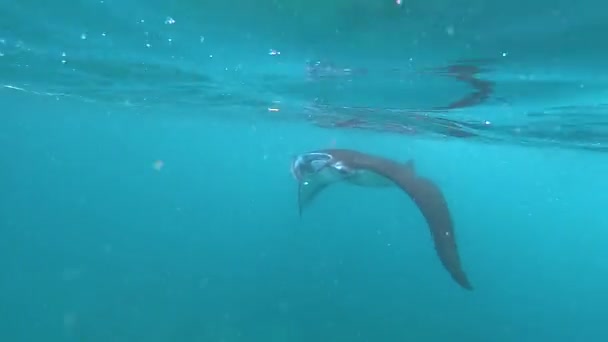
point(428, 198)
point(431, 202)
point(308, 190)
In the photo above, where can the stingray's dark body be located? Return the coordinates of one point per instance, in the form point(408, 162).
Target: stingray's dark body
point(318, 169)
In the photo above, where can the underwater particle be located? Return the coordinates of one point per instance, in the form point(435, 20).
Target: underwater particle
point(202, 39)
point(169, 21)
point(83, 36)
point(158, 165)
point(283, 306)
point(71, 273)
point(274, 52)
point(449, 30)
point(108, 248)
point(69, 320)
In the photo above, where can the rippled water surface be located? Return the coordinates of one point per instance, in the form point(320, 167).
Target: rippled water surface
point(509, 72)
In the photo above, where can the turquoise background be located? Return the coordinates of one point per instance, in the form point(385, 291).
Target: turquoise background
point(96, 244)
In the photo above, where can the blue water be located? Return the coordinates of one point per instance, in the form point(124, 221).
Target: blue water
point(146, 185)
